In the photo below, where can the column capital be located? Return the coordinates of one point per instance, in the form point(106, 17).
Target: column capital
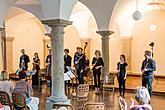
point(2, 29)
point(105, 34)
point(48, 34)
point(8, 38)
point(56, 22)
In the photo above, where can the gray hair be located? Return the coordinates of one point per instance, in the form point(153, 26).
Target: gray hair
point(142, 95)
point(4, 75)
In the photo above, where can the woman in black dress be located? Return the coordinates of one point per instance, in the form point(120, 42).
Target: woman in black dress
point(36, 66)
point(97, 64)
point(121, 74)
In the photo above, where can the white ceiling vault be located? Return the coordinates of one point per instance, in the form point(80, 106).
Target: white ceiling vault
point(28, 2)
point(104, 11)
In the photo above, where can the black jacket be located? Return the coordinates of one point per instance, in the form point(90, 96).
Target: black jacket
point(81, 64)
point(97, 62)
point(24, 59)
point(150, 65)
point(67, 62)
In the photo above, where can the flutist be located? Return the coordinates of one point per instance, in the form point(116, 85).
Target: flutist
point(97, 64)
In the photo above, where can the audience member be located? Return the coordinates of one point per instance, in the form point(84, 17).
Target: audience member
point(142, 97)
point(5, 84)
point(25, 88)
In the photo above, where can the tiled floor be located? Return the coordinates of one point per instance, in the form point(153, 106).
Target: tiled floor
point(109, 98)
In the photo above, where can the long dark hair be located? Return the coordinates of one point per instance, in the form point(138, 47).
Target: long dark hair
point(123, 56)
point(36, 54)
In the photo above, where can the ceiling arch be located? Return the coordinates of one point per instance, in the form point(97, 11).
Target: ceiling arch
point(122, 14)
point(15, 14)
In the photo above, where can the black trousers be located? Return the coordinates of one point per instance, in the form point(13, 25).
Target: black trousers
point(97, 74)
point(121, 82)
point(80, 77)
point(35, 78)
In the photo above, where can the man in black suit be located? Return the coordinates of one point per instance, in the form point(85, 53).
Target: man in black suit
point(67, 62)
point(24, 60)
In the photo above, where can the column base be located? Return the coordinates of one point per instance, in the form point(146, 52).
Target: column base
point(56, 100)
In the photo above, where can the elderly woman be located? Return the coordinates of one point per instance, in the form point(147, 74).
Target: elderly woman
point(142, 97)
point(5, 84)
point(22, 86)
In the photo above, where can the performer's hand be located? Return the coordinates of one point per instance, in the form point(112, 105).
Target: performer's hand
point(125, 77)
point(145, 69)
point(97, 67)
point(81, 71)
point(76, 62)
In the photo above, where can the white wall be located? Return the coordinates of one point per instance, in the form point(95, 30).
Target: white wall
point(71, 40)
point(28, 34)
point(142, 36)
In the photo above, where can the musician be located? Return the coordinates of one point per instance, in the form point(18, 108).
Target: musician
point(121, 74)
point(79, 62)
point(67, 62)
point(48, 65)
point(97, 64)
point(36, 66)
point(24, 59)
point(147, 68)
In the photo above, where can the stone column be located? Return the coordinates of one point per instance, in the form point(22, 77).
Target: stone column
point(8, 53)
point(57, 45)
point(105, 50)
point(45, 49)
point(2, 34)
point(126, 43)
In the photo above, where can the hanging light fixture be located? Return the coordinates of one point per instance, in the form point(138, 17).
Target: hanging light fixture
point(137, 14)
point(153, 26)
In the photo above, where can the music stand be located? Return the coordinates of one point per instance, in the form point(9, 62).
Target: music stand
point(71, 73)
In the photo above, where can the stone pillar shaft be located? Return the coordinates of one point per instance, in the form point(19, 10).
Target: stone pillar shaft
point(105, 50)
point(57, 45)
point(2, 34)
point(8, 53)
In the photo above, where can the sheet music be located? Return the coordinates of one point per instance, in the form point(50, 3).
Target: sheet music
point(30, 72)
point(66, 77)
point(70, 74)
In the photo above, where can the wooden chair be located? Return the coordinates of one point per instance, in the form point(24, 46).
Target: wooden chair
point(58, 106)
point(82, 94)
point(4, 99)
point(19, 101)
point(94, 106)
point(82, 91)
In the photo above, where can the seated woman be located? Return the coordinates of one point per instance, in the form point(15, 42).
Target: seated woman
point(5, 84)
point(22, 86)
point(142, 97)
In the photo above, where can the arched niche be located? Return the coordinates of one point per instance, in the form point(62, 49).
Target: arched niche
point(27, 32)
